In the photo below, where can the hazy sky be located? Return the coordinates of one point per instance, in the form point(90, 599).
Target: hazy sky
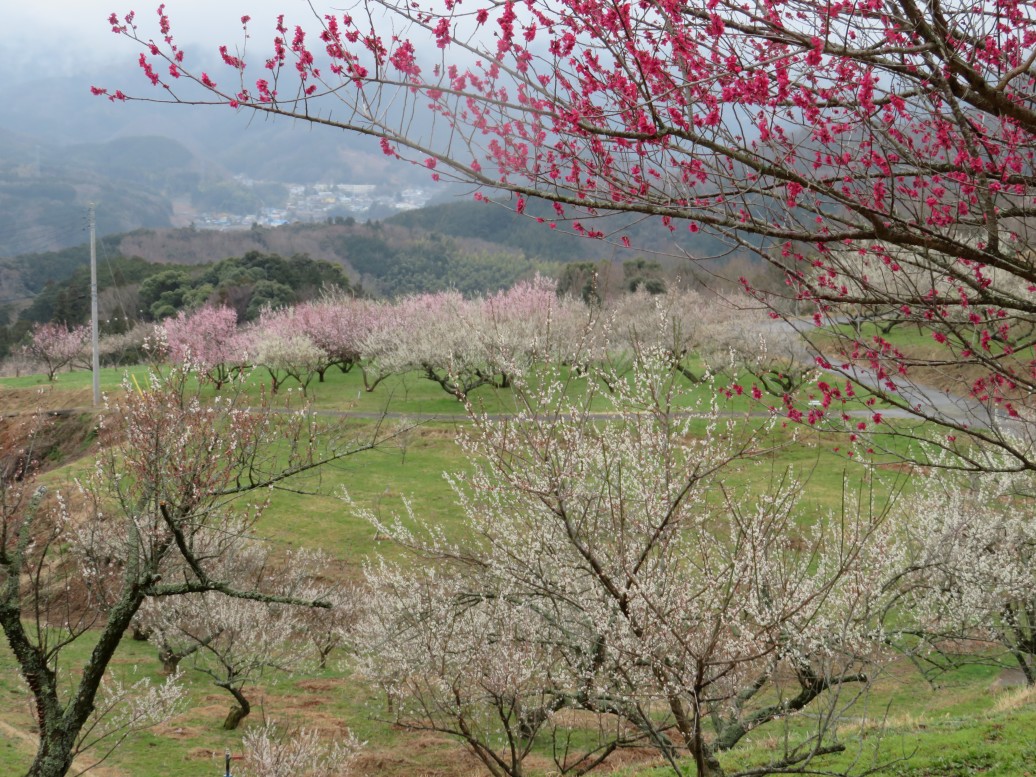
point(66, 37)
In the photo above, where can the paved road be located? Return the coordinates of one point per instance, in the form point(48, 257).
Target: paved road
point(920, 401)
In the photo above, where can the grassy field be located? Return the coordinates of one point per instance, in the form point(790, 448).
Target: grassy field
point(968, 725)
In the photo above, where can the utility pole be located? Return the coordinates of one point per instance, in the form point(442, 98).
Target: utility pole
point(95, 354)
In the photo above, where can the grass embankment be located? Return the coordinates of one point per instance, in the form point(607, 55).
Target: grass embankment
point(962, 728)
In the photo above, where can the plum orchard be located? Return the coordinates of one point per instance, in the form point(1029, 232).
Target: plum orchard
point(163, 517)
point(57, 346)
point(610, 583)
point(612, 589)
point(879, 152)
point(462, 344)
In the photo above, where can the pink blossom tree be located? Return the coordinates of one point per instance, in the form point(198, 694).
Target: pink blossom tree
point(336, 325)
point(527, 324)
point(279, 344)
point(57, 346)
point(208, 340)
point(827, 137)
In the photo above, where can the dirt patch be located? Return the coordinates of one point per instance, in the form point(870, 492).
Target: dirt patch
point(409, 758)
point(203, 754)
point(434, 433)
point(178, 731)
point(310, 704)
point(1009, 678)
point(428, 754)
point(319, 686)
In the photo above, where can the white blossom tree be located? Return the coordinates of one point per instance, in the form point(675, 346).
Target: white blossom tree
point(164, 506)
point(434, 334)
point(235, 643)
point(705, 335)
point(970, 575)
point(279, 344)
point(611, 582)
point(276, 751)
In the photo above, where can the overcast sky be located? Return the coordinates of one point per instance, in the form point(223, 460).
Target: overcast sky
point(69, 37)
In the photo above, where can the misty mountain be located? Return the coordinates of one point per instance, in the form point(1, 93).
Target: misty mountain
point(62, 111)
point(45, 189)
point(62, 147)
point(532, 234)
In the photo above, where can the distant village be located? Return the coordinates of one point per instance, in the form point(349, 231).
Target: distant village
point(319, 202)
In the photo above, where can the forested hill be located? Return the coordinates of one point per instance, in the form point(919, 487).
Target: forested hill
point(532, 234)
point(387, 260)
point(468, 246)
point(465, 245)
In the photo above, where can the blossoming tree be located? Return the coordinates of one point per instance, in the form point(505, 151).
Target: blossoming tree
point(610, 591)
point(161, 515)
point(57, 346)
point(969, 576)
point(277, 751)
point(208, 340)
point(336, 324)
point(843, 135)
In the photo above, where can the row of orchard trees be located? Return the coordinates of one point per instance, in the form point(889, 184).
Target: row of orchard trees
point(462, 344)
point(457, 342)
point(635, 577)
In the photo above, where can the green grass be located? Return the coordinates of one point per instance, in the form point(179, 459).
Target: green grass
point(110, 378)
point(906, 728)
point(407, 393)
point(410, 467)
point(904, 336)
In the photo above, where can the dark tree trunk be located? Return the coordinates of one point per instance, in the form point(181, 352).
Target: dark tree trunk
point(238, 712)
point(54, 756)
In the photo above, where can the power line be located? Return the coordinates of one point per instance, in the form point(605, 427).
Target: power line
point(114, 283)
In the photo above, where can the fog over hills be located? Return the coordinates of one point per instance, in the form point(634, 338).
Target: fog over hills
point(61, 111)
point(151, 165)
